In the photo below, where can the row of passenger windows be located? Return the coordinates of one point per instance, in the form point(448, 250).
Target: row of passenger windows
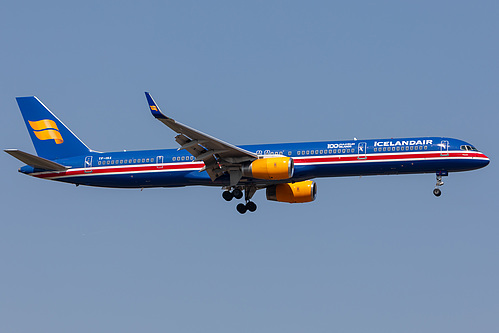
point(325, 151)
point(130, 161)
point(343, 151)
point(184, 158)
point(303, 152)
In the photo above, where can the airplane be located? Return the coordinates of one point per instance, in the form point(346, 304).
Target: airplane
point(285, 170)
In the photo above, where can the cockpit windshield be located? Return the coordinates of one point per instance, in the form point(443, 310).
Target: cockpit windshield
point(468, 147)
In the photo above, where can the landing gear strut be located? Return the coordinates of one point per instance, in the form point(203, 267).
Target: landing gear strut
point(437, 192)
point(237, 193)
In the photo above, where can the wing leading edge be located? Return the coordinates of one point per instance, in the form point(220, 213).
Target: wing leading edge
point(218, 156)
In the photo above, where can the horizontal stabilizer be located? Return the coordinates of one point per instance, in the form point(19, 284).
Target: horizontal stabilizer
point(35, 161)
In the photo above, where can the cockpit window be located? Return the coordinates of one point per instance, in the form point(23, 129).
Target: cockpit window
point(467, 147)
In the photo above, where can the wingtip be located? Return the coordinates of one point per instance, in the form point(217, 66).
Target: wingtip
point(155, 110)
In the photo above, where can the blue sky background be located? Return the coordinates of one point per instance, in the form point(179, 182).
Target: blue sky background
point(376, 254)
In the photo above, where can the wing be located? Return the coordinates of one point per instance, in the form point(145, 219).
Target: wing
point(218, 156)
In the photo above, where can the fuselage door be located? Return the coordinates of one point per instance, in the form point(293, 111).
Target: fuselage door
point(444, 148)
point(87, 167)
point(362, 151)
point(159, 162)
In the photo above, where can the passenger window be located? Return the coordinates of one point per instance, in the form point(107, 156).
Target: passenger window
point(308, 152)
point(303, 152)
point(343, 151)
point(398, 148)
point(322, 151)
point(99, 163)
point(425, 147)
point(129, 161)
point(121, 161)
point(112, 162)
point(298, 152)
point(334, 151)
point(330, 151)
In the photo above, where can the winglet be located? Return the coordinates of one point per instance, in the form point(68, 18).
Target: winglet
point(156, 112)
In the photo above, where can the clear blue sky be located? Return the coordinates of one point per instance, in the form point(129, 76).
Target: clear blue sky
point(376, 254)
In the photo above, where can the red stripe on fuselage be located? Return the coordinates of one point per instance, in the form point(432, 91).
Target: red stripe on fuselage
point(120, 170)
point(310, 160)
point(385, 156)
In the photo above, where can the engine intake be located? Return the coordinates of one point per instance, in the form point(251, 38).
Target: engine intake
point(272, 168)
point(293, 192)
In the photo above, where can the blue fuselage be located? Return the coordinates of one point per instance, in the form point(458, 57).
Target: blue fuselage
point(174, 168)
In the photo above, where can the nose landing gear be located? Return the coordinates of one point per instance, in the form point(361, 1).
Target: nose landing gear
point(437, 192)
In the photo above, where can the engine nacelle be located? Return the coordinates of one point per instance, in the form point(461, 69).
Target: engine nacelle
point(293, 192)
point(272, 168)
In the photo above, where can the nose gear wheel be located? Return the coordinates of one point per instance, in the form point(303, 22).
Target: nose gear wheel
point(437, 192)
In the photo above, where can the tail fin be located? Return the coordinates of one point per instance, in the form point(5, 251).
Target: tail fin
point(51, 138)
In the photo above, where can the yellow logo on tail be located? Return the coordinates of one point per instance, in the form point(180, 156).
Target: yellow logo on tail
point(46, 129)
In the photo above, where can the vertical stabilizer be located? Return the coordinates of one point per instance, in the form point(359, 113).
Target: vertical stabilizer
point(51, 138)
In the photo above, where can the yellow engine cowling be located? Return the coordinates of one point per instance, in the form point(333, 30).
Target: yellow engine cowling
point(293, 192)
point(272, 168)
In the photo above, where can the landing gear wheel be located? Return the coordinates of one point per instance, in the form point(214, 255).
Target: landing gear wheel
point(227, 195)
point(437, 192)
point(251, 206)
point(241, 208)
point(238, 194)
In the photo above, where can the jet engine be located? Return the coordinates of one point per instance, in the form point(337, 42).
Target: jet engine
point(272, 168)
point(293, 192)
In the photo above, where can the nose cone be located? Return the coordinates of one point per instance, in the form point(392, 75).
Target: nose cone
point(481, 161)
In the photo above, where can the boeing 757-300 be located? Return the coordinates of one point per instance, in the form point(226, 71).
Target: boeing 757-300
point(285, 170)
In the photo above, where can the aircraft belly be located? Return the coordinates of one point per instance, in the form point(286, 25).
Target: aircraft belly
point(366, 167)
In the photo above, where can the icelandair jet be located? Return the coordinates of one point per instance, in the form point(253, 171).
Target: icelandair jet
point(284, 170)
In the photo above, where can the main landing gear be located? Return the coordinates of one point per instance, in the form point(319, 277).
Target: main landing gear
point(237, 193)
point(437, 192)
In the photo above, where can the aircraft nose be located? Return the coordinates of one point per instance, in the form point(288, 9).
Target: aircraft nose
point(482, 161)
